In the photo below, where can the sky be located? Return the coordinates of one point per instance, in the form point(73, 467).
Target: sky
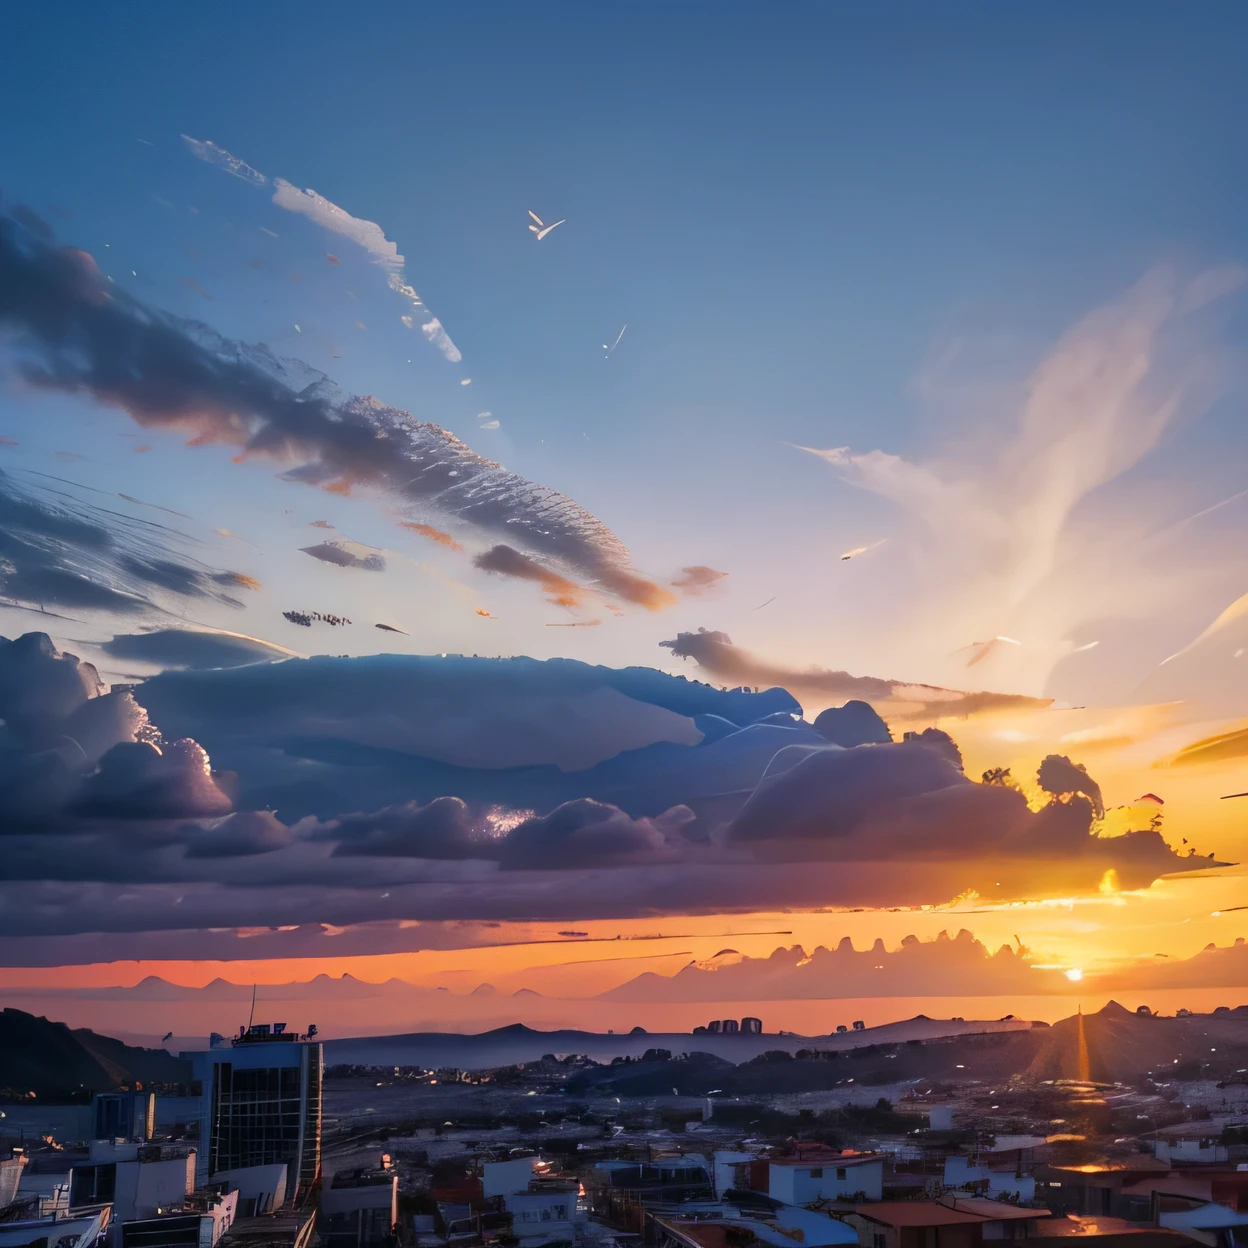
point(886, 355)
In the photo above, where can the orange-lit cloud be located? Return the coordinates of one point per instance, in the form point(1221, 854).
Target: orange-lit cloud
point(434, 535)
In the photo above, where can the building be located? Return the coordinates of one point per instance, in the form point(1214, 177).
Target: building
point(502, 1178)
point(260, 1189)
point(260, 1104)
point(86, 1231)
point(11, 1176)
point(732, 1170)
point(123, 1115)
point(544, 1215)
point(959, 1172)
point(752, 1026)
point(825, 1175)
point(138, 1180)
point(726, 1226)
point(200, 1221)
point(360, 1208)
point(950, 1222)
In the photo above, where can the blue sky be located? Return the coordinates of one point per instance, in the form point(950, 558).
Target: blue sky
point(798, 212)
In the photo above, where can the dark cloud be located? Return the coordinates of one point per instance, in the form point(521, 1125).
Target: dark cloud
point(442, 829)
point(193, 648)
point(93, 795)
point(585, 833)
point(817, 686)
point(136, 780)
point(1058, 775)
point(75, 332)
point(347, 555)
point(855, 723)
point(71, 751)
point(240, 835)
point(59, 551)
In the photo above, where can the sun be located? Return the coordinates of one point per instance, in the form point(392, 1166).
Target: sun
point(1074, 974)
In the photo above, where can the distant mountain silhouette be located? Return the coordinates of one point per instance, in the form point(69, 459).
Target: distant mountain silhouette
point(55, 1063)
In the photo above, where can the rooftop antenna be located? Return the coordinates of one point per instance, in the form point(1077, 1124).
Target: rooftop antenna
point(252, 1015)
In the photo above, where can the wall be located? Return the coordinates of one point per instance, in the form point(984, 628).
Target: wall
point(803, 1184)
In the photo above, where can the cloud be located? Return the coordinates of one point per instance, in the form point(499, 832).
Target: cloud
point(58, 550)
point(715, 652)
point(442, 829)
point(1035, 532)
point(75, 333)
point(394, 787)
point(1059, 776)
point(347, 554)
point(194, 648)
point(240, 835)
point(855, 723)
point(139, 780)
point(435, 332)
point(329, 216)
point(697, 578)
point(585, 833)
point(211, 154)
point(434, 535)
point(504, 561)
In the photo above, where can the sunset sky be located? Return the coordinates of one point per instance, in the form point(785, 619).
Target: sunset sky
point(882, 356)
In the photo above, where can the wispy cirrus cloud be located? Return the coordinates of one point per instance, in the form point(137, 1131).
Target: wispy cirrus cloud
point(329, 216)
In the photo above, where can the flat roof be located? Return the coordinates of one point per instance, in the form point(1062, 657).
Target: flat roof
point(935, 1213)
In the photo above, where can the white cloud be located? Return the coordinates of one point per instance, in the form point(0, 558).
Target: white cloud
point(441, 339)
point(329, 216)
point(211, 154)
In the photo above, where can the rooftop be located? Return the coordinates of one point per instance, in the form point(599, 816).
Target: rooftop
point(948, 1212)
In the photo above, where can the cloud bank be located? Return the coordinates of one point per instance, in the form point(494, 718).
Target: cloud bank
point(498, 790)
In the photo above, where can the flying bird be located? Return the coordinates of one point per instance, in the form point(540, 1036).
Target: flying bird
point(1149, 799)
point(167, 1036)
point(541, 229)
point(389, 628)
point(768, 603)
point(616, 343)
point(862, 550)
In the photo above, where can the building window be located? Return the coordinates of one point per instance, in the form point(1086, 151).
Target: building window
point(840, 1172)
point(877, 1240)
point(817, 1172)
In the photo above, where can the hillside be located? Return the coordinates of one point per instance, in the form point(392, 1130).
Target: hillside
point(47, 1058)
point(1122, 1046)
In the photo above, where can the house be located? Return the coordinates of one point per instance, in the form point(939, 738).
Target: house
point(545, 1215)
point(200, 1220)
point(361, 1208)
point(138, 1180)
point(724, 1226)
point(950, 1222)
point(812, 1175)
point(959, 1172)
point(731, 1170)
point(501, 1178)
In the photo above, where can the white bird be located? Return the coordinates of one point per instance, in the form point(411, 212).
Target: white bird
point(616, 343)
point(541, 229)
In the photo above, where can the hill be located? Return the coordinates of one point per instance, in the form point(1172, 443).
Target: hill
point(1121, 1046)
point(55, 1063)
